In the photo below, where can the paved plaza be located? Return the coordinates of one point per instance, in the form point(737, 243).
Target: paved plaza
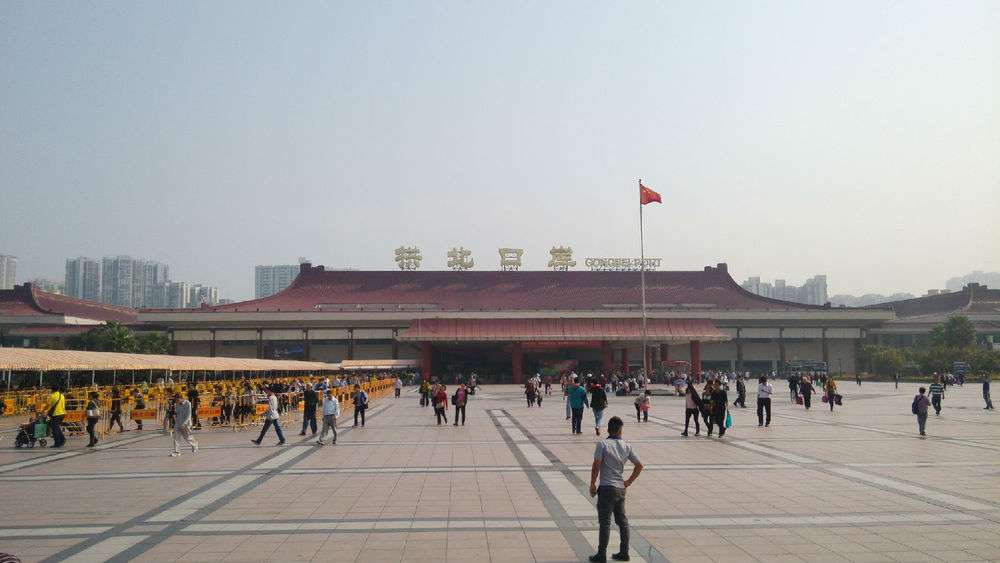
point(511, 485)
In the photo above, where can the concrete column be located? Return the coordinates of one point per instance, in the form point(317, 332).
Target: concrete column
point(350, 344)
point(260, 343)
point(211, 347)
point(607, 362)
point(826, 351)
point(624, 360)
point(781, 345)
point(739, 352)
point(516, 363)
point(664, 352)
point(395, 344)
point(305, 344)
point(696, 360)
point(426, 360)
point(173, 344)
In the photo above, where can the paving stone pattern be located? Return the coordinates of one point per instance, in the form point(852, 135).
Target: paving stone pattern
point(853, 485)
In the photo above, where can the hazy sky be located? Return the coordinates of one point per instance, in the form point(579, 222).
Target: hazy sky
point(856, 139)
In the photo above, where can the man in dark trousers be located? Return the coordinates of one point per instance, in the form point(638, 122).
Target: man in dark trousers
point(986, 392)
point(309, 399)
point(609, 464)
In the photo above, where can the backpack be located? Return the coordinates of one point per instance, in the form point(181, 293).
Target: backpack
point(913, 407)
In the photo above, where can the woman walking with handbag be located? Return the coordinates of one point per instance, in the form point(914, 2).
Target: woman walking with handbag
point(93, 415)
point(692, 407)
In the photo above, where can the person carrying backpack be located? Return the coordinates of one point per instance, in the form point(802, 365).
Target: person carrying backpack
point(919, 408)
point(459, 399)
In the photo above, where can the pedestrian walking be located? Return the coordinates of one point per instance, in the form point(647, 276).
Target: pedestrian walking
point(831, 392)
point(577, 398)
point(717, 415)
point(764, 391)
point(807, 390)
point(986, 392)
point(706, 402)
point(360, 399)
point(529, 391)
point(398, 386)
point(741, 393)
point(607, 485)
point(425, 393)
point(919, 408)
point(310, 400)
point(857, 377)
point(937, 394)
point(56, 412)
point(331, 410)
point(459, 399)
point(93, 415)
point(271, 419)
point(195, 400)
point(598, 402)
point(140, 404)
point(793, 386)
point(642, 404)
point(896, 379)
point(116, 409)
point(440, 399)
point(183, 408)
point(692, 407)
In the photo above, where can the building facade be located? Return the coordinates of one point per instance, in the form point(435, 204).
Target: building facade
point(8, 271)
point(83, 279)
point(914, 319)
point(511, 323)
point(268, 280)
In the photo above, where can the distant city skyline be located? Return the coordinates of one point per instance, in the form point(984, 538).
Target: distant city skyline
point(269, 279)
point(853, 138)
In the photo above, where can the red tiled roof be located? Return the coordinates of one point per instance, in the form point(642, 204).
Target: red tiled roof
point(560, 330)
point(28, 300)
point(316, 289)
point(973, 298)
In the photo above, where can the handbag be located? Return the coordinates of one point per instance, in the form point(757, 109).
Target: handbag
point(838, 399)
point(729, 420)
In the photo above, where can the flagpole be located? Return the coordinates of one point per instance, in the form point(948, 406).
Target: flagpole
point(642, 277)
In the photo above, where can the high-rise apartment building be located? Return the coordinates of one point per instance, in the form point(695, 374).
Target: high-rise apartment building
point(129, 282)
point(83, 278)
point(48, 286)
point(8, 271)
point(178, 295)
point(268, 280)
point(812, 292)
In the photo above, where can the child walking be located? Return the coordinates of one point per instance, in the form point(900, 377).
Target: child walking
point(642, 404)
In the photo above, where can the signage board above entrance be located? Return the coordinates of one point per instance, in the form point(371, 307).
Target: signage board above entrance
point(622, 264)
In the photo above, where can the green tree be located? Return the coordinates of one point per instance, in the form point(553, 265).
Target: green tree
point(152, 343)
point(109, 337)
point(956, 332)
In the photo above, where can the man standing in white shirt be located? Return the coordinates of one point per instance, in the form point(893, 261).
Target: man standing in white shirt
point(764, 391)
point(331, 410)
point(609, 464)
point(271, 419)
point(398, 385)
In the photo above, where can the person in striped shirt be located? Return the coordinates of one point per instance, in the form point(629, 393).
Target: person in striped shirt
point(937, 393)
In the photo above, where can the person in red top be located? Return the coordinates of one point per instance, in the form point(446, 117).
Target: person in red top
point(441, 404)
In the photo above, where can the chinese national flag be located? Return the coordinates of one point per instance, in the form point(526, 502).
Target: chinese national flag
point(647, 195)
